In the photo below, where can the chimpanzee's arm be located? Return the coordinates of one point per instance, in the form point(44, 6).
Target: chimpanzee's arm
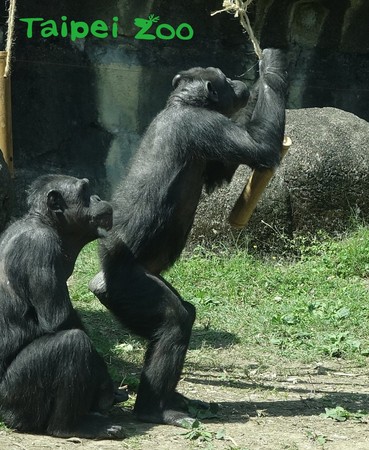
point(50, 298)
point(258, 142)
point(36, 274)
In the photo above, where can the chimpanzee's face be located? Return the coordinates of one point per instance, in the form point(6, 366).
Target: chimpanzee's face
point(223, 94)
point(76, 210)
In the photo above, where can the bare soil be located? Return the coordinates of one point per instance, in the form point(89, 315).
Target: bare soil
point(259, 410)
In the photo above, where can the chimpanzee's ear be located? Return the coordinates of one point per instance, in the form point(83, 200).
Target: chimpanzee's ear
point(55, 201)
point(176, 80)
point(213, 94)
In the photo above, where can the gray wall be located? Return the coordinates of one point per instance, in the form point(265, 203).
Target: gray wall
point(80, 108)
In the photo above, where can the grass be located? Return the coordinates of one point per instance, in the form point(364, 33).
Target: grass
point(304, 309)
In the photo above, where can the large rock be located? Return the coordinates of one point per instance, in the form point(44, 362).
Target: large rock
point(321, 184)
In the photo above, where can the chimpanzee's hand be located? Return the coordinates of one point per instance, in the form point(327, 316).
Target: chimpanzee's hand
point(272, 68)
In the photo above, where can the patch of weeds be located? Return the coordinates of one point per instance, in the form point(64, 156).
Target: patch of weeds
point(340, 344)
point(3, 427)
point(128, 404)
point(319, 439)
point(340, 414)
point(198, 432)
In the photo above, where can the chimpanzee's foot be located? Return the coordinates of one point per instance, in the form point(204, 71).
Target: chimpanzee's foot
point(178, 412)
point(92, 426)
point(98, 287)
point(182, 403)
point(167, 417)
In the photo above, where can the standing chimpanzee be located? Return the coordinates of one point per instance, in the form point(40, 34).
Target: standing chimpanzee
point(51, 378)
point(191, 144)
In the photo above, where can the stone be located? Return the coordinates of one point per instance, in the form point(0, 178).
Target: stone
point(322, 184)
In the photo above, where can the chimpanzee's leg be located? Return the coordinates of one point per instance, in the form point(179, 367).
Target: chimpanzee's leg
point(54, 384)
point(149, 307)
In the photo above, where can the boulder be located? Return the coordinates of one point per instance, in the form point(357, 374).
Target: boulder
point(322, 183)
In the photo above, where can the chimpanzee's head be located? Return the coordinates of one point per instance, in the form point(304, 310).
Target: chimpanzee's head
point(210, 88)
point(66, 203)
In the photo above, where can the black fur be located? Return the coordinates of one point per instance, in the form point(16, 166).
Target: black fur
point(191, 144)
point(51, 377)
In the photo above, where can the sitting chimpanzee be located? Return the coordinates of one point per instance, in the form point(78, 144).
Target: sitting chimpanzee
point(191, 144)
point(51, 378)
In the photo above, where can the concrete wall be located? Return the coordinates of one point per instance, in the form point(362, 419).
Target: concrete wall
point(328, 42)
point(80, 107)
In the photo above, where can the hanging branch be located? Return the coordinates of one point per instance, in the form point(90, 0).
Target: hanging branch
point(239, 9)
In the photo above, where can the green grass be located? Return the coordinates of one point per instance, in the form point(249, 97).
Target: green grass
point(307, 308)
point(315, 306)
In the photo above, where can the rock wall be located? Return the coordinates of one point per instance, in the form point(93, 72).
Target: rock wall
point(80, 107)
point(328, 43)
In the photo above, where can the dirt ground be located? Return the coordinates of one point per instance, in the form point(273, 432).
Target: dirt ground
point(258, 410)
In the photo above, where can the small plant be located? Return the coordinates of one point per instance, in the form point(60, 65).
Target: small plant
point(198, 432)
point(341, 414)
point(3, 427)
point(320, 439)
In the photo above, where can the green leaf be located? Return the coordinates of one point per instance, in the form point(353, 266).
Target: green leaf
point(339, 414)
point(220, 435)
point(342, 313)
